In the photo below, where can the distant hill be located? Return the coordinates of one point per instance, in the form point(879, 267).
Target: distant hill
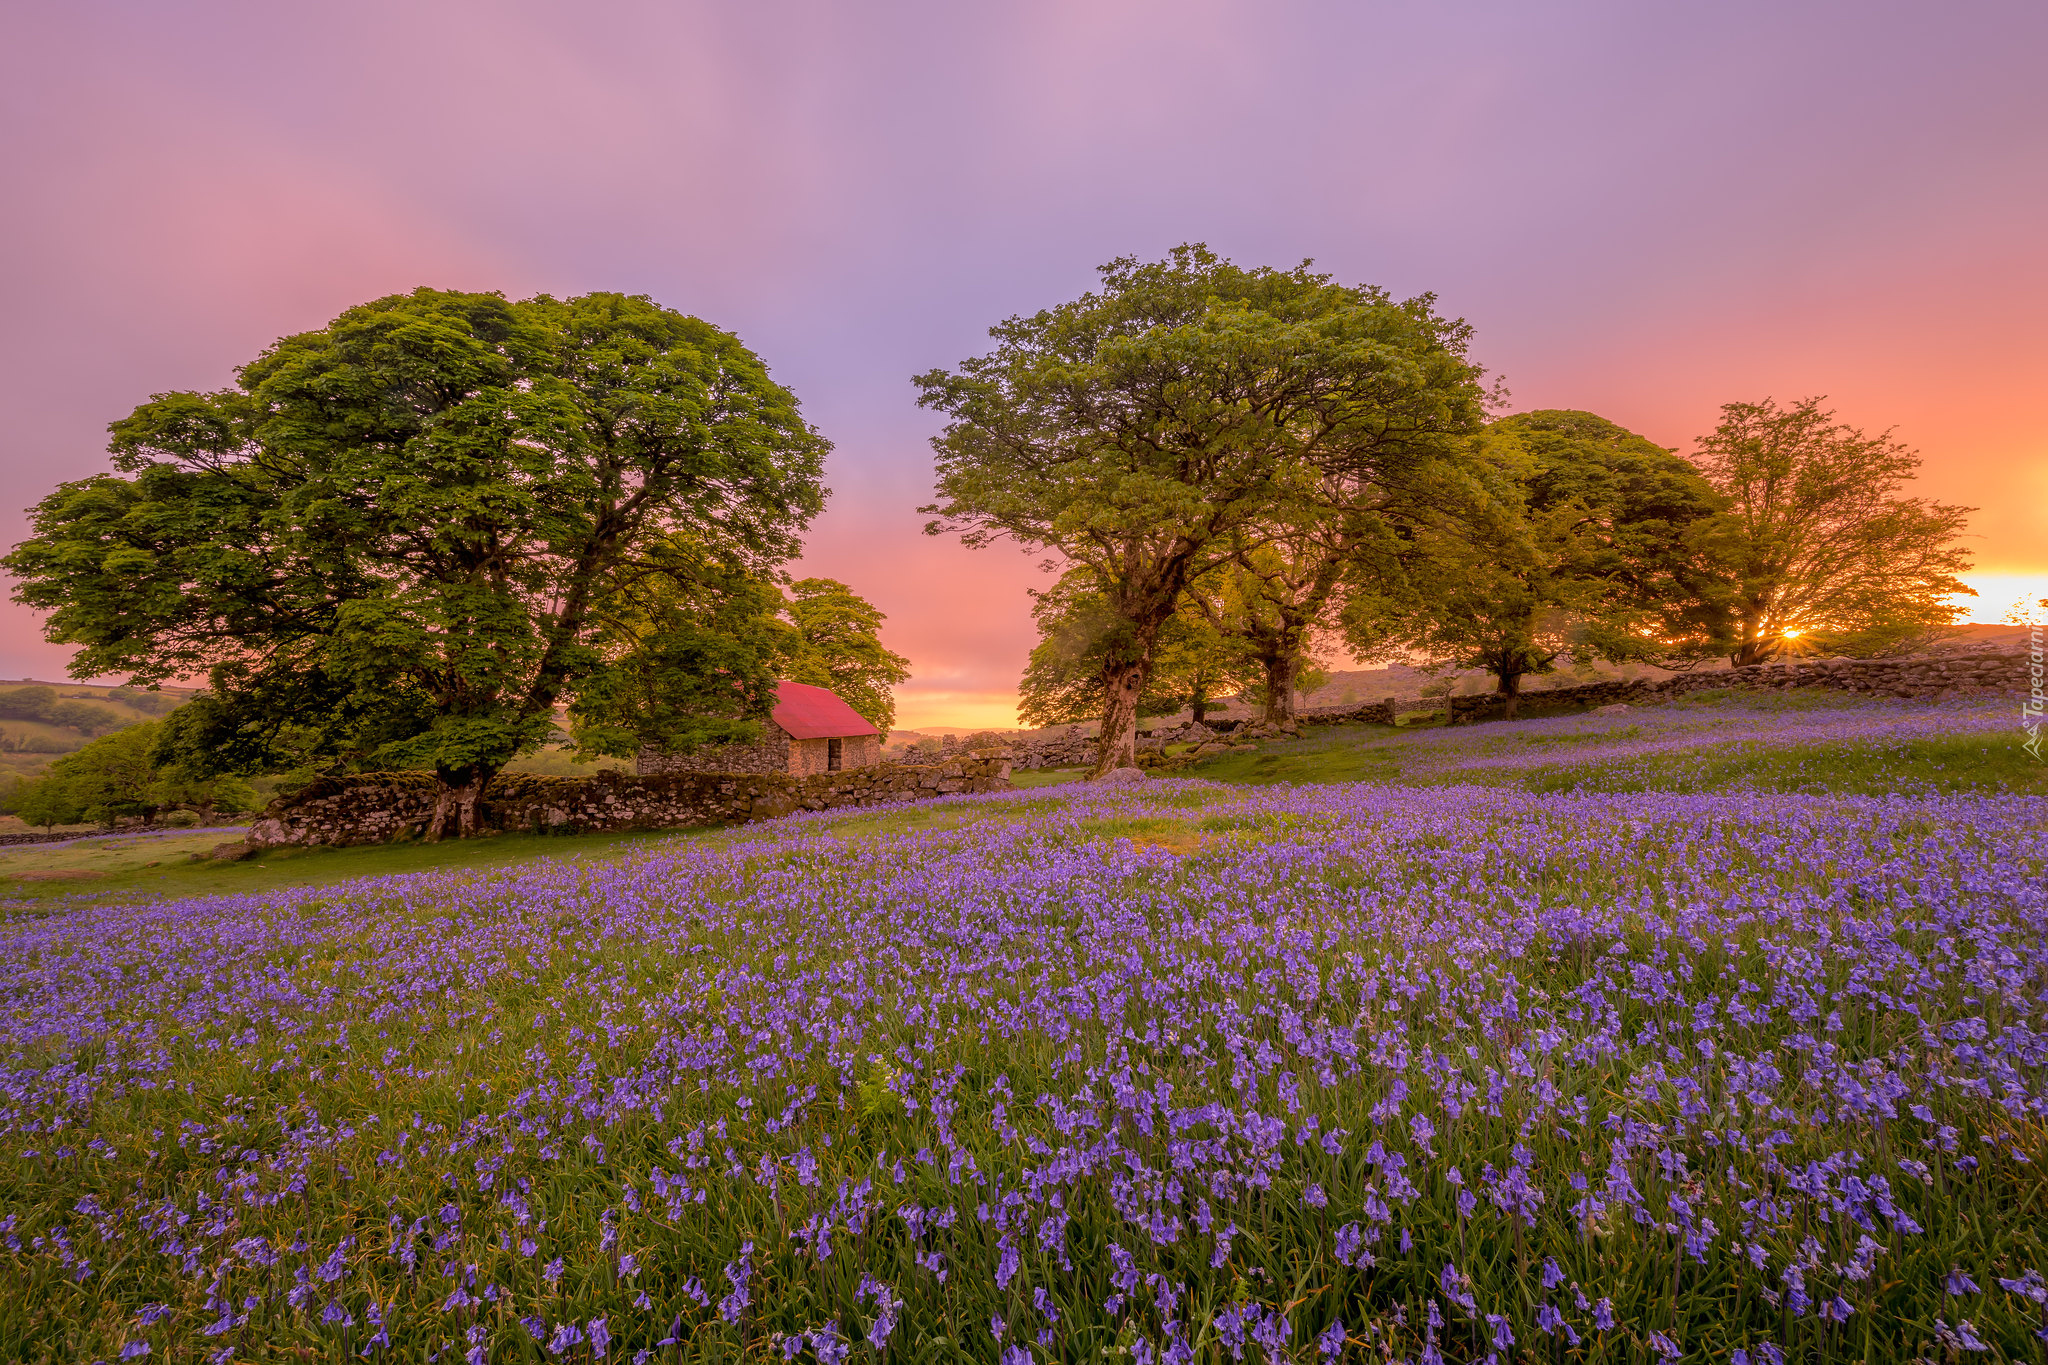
point(41, 720)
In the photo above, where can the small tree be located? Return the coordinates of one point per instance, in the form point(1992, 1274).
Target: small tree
point(1819, 546)
point(88, 718)
point(110, 779)
point(1196, 665)
point(43, 801)
point(1142, 432)
point(1276, 596)
point(208, 797)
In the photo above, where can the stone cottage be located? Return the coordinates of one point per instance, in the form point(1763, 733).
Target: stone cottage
point(810, 731)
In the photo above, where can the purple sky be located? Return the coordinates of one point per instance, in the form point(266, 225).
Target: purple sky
point(1645, 210)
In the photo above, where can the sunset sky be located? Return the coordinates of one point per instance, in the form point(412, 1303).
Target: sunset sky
point(1645, 210)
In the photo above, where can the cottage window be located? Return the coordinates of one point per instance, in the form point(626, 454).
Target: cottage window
point(832, 754)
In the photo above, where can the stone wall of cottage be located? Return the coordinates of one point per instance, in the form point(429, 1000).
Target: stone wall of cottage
point(370, 808)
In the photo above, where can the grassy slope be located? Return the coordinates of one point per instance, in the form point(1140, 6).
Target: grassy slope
point(1418, 757)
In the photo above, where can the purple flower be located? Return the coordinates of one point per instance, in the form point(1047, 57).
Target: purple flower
point(2030, 1285)
point(738, 1273)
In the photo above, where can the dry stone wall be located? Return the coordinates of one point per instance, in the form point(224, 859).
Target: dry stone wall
point(1918, 675)
point(370, 808)
point(10, 839)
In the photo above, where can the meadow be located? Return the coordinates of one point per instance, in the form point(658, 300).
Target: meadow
point(1187, 1070)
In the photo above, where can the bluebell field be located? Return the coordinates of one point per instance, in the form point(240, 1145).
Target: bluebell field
point(1170, 1073)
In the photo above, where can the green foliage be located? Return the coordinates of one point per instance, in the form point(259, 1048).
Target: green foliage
point(40, 801)
point(1079, 633)
point(691, 650)
point(151, 703)
point(107, 780)
point(28, 703)
point(837, 644)
point(1818, 547)
point(122, 777)
point(88, 718)
point(387, 542)
point(1195, 665)
point(1583, 538)
point(1274, 597)
point(1137, 431)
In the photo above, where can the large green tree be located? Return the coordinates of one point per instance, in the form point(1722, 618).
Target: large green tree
point(1820, 547)
point(1142, 430)
point(386, 543)
point(1581, 538)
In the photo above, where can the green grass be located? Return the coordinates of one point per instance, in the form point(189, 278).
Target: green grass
point(1341, 753)
point(1958, 764)
point(1430, 756)
point(1046, 777)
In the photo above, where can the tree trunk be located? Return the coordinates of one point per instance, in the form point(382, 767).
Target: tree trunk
point(1510, 691)
point(1198, 703)
point(1118, 745)
point(1750, 652)
point(1280, 674)
point(455, 802)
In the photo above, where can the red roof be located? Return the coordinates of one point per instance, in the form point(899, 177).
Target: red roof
point(816, 713)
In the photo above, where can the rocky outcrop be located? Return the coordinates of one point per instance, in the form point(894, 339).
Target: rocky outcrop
point(369, 808)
